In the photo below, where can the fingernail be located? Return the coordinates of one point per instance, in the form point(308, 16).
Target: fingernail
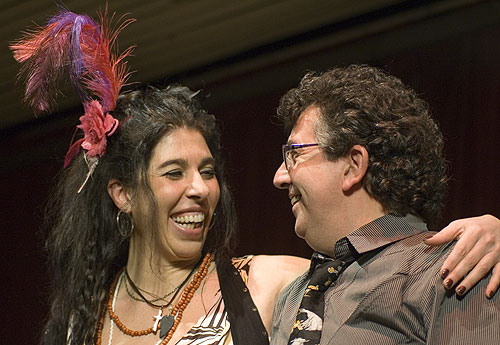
point(489, 294)
point(444, 273)
point(448, 283)
point(461, 290)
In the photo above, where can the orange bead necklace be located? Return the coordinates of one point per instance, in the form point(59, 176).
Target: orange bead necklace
point(175, 314)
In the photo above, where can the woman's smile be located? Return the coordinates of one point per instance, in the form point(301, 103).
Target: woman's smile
point(186, 192)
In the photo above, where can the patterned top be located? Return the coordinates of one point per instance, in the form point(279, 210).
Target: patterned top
point(214, 328)
point(393, 294)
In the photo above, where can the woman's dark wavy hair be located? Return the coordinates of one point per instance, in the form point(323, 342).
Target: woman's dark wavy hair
point(86, 249)
point(363, 105)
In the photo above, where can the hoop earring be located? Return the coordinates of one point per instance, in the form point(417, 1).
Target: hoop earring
point(212, 222)
point(126, 226)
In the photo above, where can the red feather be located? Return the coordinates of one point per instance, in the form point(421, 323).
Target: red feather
point(44, 55)
point(105, 73)
point(73, 44)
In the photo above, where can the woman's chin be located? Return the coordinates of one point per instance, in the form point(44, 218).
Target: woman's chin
point(186, 250)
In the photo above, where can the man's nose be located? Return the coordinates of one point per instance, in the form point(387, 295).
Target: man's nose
point(281, 177)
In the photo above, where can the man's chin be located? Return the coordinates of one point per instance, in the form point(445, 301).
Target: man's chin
point(300, 231)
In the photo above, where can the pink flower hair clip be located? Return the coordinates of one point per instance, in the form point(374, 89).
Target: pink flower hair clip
point(75, 44)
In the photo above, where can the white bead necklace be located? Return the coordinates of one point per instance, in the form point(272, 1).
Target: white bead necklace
point(111, 321)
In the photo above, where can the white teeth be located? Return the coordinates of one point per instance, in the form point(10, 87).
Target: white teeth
point(190, 220)
point(295, 199)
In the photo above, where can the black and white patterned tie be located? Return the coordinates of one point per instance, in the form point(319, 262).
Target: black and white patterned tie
point(309, 320)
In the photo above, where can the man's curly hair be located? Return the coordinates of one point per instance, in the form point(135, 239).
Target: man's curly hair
point(363, 105)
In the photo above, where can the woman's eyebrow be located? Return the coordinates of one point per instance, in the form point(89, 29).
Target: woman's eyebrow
point(208, 160)
point(179, 161)
point(183, 163)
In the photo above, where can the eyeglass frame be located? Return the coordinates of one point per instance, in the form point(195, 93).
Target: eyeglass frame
point(285, 148)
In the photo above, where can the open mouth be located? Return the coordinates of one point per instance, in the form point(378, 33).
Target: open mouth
point(192, 221)
point(295, 199)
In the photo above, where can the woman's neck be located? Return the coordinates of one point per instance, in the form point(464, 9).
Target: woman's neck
point(154, 272)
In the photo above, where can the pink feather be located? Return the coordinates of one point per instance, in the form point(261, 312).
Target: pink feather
point(43, 55)
point(104, 72)
point(73, 44)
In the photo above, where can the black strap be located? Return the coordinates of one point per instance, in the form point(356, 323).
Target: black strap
point(246, 325)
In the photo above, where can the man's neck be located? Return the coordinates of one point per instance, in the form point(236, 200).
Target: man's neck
point(359, 210)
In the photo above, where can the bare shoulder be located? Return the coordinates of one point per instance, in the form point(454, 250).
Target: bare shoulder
point(277, 270)
point(268, 275)
point(283, 262)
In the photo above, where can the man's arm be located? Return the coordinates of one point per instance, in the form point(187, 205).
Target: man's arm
point(471, 319)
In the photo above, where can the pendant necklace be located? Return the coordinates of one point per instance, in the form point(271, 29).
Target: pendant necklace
point(168, 323)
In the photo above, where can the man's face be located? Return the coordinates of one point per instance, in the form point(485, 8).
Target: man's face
point(314, 187)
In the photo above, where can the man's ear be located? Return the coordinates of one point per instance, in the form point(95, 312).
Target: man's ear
point(357, 164)
point(119, 194)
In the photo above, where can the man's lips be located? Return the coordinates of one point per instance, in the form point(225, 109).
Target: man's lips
point(295, 199)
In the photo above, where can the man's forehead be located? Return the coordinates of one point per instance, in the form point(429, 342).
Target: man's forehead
point(304, 128)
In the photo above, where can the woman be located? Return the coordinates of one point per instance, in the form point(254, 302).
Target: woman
point(150, 206)
point(142, 221)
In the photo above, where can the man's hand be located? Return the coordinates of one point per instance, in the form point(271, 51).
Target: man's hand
point(475, 254)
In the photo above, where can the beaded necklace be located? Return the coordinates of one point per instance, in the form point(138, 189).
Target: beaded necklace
point(150, 302)
point(172, 320)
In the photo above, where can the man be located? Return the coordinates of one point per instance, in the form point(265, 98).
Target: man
point(364, 172)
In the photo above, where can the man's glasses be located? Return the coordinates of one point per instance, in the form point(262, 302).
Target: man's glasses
point(290, 153)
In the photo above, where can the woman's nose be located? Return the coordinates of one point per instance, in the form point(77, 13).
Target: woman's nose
point(198, 187)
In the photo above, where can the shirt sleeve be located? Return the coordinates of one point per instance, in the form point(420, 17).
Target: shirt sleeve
point(471, 319)
point(285, 310)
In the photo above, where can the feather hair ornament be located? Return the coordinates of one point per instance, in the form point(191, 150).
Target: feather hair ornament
point(74, 45)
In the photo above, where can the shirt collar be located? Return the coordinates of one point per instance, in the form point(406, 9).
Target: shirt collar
point(343, 251)
point(385, 230)
point(376, 234)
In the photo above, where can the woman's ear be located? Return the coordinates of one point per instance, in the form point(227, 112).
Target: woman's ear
point(357, 165)
point(119, 194)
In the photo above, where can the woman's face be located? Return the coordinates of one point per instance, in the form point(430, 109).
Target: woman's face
point(182, 178)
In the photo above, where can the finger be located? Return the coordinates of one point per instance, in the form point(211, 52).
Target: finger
point(447, 234)
point(473, 277)
point(457, 256)
point(494, 282)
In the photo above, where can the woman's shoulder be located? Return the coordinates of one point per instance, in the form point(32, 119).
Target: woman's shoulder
point(266, 276)
point(271, 263)
point(277, 270)
point(282, 262)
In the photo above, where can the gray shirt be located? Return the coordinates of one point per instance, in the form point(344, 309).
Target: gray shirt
point(392, 294)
